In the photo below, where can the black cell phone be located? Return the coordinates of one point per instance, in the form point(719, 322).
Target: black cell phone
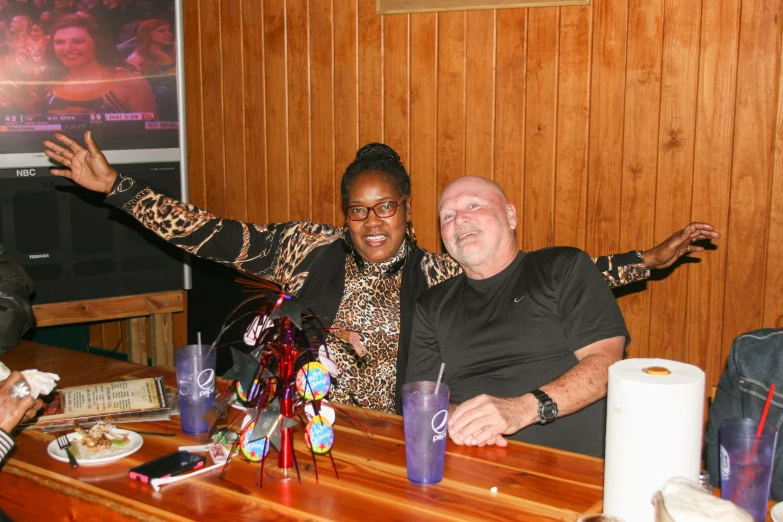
point(167, 466)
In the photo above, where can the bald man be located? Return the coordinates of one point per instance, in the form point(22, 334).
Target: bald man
point(526, 337)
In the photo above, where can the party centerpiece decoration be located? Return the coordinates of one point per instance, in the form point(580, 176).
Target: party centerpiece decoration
point(280, 377)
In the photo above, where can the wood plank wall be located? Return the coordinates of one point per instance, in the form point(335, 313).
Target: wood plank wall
point(610, 126)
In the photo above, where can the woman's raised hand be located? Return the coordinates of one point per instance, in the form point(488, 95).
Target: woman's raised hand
point(678, 244)
point(86, 167)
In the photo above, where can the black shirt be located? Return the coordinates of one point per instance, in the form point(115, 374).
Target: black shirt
point(511, 333)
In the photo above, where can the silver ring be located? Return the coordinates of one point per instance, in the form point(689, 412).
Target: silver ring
point(19, 390)
point(68, 164)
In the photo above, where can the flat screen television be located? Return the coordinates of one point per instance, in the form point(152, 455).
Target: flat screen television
point(113, 66)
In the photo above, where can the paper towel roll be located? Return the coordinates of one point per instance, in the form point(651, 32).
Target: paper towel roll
point(653, 432)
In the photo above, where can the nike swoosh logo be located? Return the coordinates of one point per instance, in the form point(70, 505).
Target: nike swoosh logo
point(518, 299)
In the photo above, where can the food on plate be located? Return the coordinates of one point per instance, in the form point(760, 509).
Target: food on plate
point(99, 437)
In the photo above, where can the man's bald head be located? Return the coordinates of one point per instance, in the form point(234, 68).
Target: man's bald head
point(475, 181)
point(477, 225)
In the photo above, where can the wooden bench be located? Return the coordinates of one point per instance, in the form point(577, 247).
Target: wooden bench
point(158, 307)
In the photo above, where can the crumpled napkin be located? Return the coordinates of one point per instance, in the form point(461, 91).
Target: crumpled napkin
point(41, 383)
point(685, 501)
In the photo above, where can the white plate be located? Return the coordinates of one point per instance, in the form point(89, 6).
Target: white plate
point(89, 458)
point(777, 512)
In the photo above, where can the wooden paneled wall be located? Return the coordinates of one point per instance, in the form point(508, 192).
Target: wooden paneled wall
point(610, 126)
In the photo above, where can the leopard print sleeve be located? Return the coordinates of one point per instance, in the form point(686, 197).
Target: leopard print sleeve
point(622, 269)
point(271, 251)
point(438, 268)
point(617, 269)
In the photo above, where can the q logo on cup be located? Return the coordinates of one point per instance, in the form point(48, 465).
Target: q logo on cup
point(439, 421)
point(206, 381)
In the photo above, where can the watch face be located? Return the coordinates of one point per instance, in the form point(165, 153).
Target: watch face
point(550, 411)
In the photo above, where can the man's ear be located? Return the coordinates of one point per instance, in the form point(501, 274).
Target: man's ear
point(511, 214)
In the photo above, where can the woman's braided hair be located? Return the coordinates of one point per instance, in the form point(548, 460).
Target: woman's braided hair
point(376, 157)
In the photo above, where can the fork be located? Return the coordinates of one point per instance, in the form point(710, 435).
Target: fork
point(64, 444)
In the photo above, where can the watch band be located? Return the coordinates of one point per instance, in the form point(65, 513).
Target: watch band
point(547, 408)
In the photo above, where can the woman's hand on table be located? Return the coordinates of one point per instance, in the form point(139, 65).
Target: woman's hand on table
point(13, 410)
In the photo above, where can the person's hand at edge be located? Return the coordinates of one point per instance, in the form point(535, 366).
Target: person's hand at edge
point(678, 245)
point(13, 411)
point(86, 167)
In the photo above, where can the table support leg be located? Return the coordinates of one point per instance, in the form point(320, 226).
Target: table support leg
point(162, 337)
point(137, 340)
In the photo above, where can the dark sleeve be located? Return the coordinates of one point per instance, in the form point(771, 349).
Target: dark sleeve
point(267, 250)
point(622, 269)
point(424, 351)
point(16, 314)
point(6, 444)
point(587, 308)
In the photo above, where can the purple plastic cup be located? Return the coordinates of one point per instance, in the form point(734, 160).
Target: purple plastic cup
point(746, 464)
point(195, 366)
point(425, 416)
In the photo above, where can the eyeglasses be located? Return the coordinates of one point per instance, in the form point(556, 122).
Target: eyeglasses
point(384, 209)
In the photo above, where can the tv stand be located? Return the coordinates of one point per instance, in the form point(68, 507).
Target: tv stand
point(137, 309)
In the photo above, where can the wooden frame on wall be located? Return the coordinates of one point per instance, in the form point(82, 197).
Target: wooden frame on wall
point(424, 6)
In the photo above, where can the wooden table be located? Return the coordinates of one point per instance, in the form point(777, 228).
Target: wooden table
point(533, 483)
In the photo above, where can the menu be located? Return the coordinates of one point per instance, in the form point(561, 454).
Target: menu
point(118, 401)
